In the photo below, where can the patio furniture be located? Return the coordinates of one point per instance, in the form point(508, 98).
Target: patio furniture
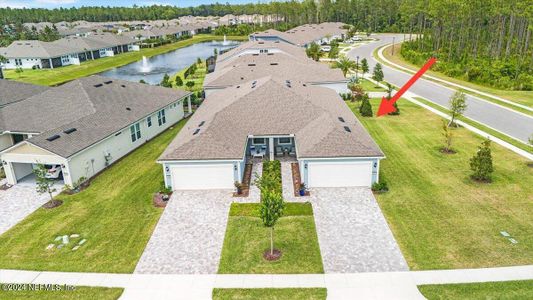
point(258, 152)
point(292, 151)
point(279, 151)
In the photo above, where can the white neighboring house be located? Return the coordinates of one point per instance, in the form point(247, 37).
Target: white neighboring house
point(65, 51)
point(271, 117)
point(84, 125)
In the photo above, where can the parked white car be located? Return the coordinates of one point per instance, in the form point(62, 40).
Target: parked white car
point(54, 171)
point(325, 48)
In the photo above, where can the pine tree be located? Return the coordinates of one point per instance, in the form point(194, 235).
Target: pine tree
point(179, 81)
point(481, 163)
point(378, 73)
point(366, 108)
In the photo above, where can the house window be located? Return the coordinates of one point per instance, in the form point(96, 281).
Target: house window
point(135, 132)
point(259, 141)
point(284, 141)
point(149, 121)
point(161, 118)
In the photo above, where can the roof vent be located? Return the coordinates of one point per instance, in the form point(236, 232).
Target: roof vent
point(238, 86)
point(196, 131)
point(53, 137)
point(341, 119)
point(122, 85)
point(261, 43)
point(255, 54)
point(251, 65)
point(108, 82)
point(347, 129)
point(274, 64)
point(277, 42)
point(98, 85)
point(128, 109)
point(201, 124)
point(304, 84)
point(270, 53)
point(70, 130)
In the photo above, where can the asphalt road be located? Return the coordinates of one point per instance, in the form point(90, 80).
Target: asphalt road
point(502, 119)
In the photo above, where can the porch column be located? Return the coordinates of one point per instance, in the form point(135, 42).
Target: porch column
point(271, 148)
point(189, 104)
point(51, 64)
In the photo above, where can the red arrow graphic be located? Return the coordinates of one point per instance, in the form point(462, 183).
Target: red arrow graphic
point(386, 106)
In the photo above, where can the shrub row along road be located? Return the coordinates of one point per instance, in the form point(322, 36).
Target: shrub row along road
point(512, 123)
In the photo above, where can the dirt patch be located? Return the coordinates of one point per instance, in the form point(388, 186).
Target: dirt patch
point(160, 200)
point(52, 204)
point(272, 256)
point(296, 180)
point(447, 151)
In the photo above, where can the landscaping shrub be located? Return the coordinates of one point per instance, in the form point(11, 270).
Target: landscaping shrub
point(380, 187)
point(366, 108)
point(481, 163)
point(271, 177)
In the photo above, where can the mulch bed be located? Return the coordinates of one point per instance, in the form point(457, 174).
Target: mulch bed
point(245, 190)
point(450, 151)
point(276, 254)
point(158, 200)
point(52, 204)
point(296, 180)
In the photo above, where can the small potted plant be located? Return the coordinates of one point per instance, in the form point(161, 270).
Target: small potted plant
point(165, 194)
point(302, 189)
point(238, 186)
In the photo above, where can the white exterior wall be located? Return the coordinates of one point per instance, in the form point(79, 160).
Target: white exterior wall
point(92, 160)
point(27, 63)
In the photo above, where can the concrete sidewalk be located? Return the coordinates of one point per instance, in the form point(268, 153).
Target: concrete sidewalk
point(378, 285)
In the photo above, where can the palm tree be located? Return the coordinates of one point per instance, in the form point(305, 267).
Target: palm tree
point(345, 64)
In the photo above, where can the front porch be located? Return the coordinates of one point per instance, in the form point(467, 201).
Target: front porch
point(271, 147)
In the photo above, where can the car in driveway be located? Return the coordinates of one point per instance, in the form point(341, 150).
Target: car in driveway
point(54, 172)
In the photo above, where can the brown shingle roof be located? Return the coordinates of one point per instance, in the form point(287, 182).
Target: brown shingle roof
point(270, 107)
point(13, 91)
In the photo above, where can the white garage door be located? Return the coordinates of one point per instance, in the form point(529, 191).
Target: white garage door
point(339, 174)
point(200, 177)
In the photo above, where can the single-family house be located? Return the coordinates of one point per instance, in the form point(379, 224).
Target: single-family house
point(271, 117)
point(84, 125)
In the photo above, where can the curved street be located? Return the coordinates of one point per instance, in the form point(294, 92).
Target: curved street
point(507, 121)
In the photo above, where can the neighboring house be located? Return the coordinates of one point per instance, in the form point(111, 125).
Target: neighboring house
point(305, 34)
point(66, 51)
point(261, 58)
point(85, 125)
point(310, 123)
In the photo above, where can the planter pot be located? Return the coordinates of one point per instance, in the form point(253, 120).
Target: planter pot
point(302, 192)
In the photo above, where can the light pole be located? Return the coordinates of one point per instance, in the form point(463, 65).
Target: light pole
point(393, 45)
point(357, 68)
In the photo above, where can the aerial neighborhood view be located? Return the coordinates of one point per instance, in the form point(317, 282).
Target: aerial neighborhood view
point(313, 149)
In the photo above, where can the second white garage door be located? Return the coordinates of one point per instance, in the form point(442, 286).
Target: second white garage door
point(202, 176)
point(339, 174)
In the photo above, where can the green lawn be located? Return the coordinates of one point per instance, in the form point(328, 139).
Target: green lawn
point(520, 97)
point(369, 86)
point(80, 293)
point(270, 294)
point(246, 239)
point(115, 214)
point(197, 78)
point(480, 291)
point(486, 129)
point(67, 73)
point(440, 218)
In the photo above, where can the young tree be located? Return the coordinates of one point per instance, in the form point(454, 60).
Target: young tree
point(448, 135)
point(313, 51)
point(366, 108)
point(457, 106)
point(357, 92)
point(272, 206)
point(390, 89)
point(198, 61)
point(345, 64)
point(481, 162)
point(44, 185)
point(166, 81)
point(179, 81)
point(142, 81)
point(378, 73)
point(19, 71)
point(364, 66)
point(189, 84)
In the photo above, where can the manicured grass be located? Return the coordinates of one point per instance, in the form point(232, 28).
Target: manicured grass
point(115, 214)
point(246, 239)
point(270, 294)
point(197, 78)
point(480, 126)
point(520, 97)
point(369, 86)
point(79, 293)
point(68, 73)
point(488, 290)
point(439, 216)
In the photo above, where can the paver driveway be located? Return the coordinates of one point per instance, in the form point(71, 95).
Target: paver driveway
point(352, 232)
point(17, 202)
